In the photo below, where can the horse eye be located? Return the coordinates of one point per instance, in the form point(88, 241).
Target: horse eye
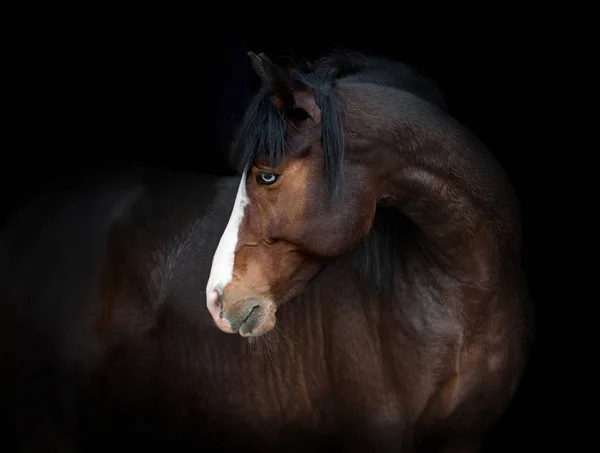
point(266, 178)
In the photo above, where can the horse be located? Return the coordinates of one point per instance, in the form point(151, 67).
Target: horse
point(356, 286)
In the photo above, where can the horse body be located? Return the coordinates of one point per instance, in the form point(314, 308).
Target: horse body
point(413, 335)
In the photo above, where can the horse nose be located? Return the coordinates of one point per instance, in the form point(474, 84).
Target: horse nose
point(244, 317)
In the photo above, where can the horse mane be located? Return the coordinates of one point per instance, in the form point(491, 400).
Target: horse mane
point(264, 130)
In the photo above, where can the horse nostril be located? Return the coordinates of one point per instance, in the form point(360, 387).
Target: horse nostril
point(220, 304)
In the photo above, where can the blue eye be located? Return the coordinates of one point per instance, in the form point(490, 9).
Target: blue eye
point(266, 178)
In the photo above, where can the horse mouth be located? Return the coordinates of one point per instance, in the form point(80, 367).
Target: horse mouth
point(260, 320)
point(251, 322)
point(254, 318)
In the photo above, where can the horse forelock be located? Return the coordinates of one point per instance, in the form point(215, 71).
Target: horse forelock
point(265, 129)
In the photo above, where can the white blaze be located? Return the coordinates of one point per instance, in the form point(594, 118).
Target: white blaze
point(222, 264)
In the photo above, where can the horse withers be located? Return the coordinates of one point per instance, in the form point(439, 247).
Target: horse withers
point(369, 255)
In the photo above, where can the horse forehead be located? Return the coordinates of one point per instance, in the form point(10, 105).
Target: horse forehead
point(299, 140)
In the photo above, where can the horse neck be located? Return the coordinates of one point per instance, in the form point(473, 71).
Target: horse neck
point(440, 177)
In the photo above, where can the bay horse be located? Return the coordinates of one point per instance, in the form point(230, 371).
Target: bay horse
point(357, 288)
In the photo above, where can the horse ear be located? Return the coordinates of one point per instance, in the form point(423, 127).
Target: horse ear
point(288, 93)
point(304, 98)
point(270, 74)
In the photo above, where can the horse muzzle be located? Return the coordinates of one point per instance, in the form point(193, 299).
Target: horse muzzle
point(250, 317)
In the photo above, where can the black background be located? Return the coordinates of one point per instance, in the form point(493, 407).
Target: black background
point(100, 97)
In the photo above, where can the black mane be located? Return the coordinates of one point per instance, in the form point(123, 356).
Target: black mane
point(264, 129)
